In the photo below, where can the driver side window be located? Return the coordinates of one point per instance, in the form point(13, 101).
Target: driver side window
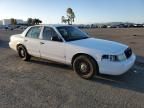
point(48, 33)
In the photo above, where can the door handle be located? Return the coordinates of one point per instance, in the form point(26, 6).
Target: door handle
point(42, 43)
point(25, 40)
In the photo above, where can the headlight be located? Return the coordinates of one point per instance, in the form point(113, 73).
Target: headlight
point(120, 57)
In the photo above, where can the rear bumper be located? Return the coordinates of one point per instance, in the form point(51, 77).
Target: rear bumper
point(116, 68)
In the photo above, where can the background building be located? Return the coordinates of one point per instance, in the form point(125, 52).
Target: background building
point(19, 21)
point(8, 21)
point(1, 22)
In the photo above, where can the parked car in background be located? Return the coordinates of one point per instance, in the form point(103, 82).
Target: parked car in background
point(9, 27)
point(69, 45)
point(1, 27)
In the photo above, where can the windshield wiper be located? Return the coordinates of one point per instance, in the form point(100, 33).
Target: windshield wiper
point(77, 39)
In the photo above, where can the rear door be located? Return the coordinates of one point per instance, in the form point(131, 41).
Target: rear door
point(32, 41)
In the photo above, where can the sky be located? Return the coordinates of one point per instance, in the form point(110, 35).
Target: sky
point(86, 11)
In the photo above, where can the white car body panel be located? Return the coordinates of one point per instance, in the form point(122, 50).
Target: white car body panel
point(104, 46)
point(32, 46)
point(116, 68)
point(63, 52)
point(53, 51)
point(15, 40)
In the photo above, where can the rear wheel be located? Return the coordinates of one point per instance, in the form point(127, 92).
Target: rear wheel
point(85, 66)
point(22, 52)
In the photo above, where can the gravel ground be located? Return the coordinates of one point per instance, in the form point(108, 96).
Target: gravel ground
point(44, 84)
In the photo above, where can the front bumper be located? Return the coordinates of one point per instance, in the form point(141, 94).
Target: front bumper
point(116, 68)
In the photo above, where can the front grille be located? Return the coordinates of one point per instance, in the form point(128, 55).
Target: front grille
point(128, 52)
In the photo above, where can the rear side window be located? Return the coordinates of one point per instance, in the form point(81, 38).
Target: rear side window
point(34, 32)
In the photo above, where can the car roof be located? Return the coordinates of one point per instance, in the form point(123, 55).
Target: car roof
point(53, 25)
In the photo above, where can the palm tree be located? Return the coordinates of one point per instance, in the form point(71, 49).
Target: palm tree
point(73, 16)
point(33, 21)
point(38, 21)
point(63, 20)
point(29, 21)
point(15, 21)
point(12, 21)
point(70, 15)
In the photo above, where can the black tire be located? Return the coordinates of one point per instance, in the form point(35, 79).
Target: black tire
point(85, 67)
point(22, 52)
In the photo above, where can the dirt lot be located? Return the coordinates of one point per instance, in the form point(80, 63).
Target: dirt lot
point(43, 84)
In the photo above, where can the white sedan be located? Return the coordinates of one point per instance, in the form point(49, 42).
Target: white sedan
point(69, 45)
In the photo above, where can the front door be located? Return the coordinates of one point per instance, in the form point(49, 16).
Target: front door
point(52, 49)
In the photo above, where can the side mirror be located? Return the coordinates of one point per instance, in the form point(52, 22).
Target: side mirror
point(56, 38)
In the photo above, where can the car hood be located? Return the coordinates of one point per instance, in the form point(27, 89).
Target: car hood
point(100, 45)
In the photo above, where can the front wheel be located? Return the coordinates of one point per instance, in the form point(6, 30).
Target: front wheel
point(22, 52)
point(85, 67)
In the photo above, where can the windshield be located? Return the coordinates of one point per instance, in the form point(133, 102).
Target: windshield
point(70, 33)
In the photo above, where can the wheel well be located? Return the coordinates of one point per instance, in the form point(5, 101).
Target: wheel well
point(20, 45)
point(79, 54)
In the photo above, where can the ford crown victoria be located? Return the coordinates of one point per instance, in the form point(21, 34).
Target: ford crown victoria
point(69, 45)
